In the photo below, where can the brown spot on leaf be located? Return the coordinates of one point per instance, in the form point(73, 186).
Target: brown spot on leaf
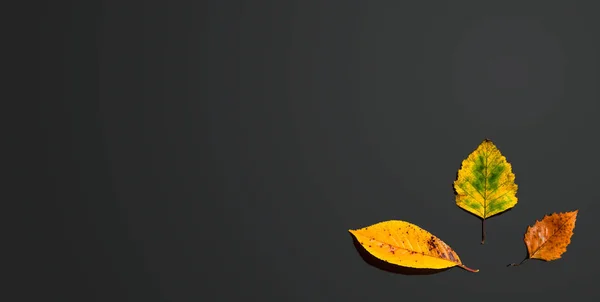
point(431, 243)
point(451, 257)
point(548, 239)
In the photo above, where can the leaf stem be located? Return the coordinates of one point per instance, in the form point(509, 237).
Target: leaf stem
point(517, 264)
point(469, 269)
point(482, 231)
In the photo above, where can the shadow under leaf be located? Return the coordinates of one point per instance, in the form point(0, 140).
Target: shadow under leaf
point(389, 267)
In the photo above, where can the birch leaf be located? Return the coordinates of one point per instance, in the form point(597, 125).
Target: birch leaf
point(548, 239)
point(485, 184)
point(405, 244)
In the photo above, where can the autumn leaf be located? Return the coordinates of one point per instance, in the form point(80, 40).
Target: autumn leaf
point(485, 184)
point(405, 244)
point(548, 239)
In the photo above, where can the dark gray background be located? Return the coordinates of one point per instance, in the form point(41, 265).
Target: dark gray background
point(216, 150)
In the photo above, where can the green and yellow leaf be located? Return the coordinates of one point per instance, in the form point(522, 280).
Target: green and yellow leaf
point(405, 244)
point(485, 185)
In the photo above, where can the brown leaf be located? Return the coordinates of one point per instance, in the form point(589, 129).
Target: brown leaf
point(548, 239)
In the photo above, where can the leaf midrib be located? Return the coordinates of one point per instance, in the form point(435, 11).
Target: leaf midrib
point(420, 253)
point(484, 196)
point(542, 245)
point(485, 181)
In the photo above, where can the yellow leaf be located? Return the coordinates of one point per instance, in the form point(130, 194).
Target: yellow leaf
point(405, 244)
point(485, 185)
point(548, 239)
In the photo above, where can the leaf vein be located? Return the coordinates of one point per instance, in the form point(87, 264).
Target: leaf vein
point(550, 237)
point(420, 252)
point(469, 194)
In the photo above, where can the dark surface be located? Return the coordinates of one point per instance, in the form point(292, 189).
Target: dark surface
point(208, 151)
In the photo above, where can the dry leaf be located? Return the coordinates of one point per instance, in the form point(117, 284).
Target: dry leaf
point(405, 244)
point(485, 185)
point(548, 239)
